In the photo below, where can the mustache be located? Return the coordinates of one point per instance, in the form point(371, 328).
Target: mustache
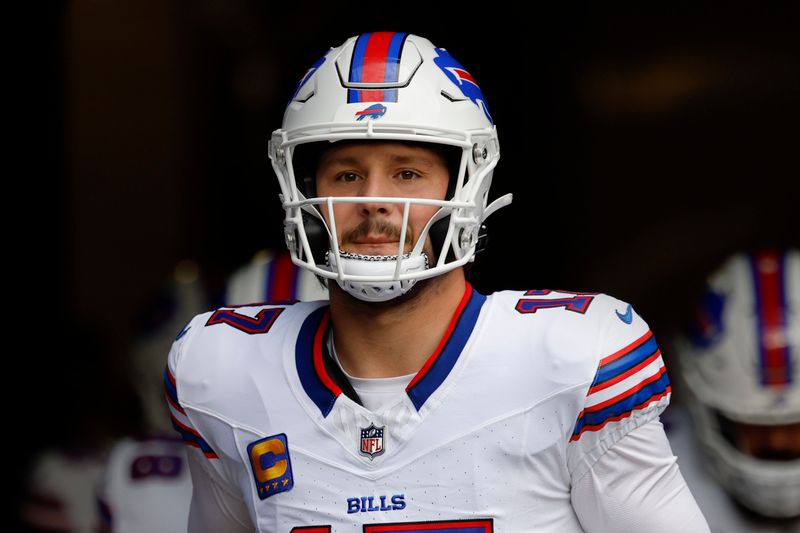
point(373, 226)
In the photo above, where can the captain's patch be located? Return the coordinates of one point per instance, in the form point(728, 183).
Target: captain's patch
point(272, 467)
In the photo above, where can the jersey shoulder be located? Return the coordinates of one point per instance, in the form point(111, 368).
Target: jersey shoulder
point(603, 350)
point(211, 336)
point(571, 326)
point(216, 355)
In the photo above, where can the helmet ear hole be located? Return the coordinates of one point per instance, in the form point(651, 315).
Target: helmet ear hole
point(317, 237)
point(304, 162)
point(452, 158)
point(437, 233)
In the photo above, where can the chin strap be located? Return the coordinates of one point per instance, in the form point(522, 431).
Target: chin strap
point(376, 265)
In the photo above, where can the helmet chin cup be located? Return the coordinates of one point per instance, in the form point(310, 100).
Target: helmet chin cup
point(376, 265)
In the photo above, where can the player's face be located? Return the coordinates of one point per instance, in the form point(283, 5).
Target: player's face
point(373, 169)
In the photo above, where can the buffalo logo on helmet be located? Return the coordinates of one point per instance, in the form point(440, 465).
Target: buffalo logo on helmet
point(462, 79)
point(307, 76)
point(374, 112)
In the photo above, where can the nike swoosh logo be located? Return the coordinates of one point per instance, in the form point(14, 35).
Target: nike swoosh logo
point(627, 317)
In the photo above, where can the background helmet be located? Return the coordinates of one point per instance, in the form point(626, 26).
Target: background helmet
point(742, 374)
point(392, 87)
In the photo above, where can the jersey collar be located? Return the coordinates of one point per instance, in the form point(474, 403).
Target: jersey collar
point(311, 353)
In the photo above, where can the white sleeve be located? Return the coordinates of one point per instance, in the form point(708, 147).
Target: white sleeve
point(216, 503)
point(630, 387)
point(215, 506)
point(636, 486)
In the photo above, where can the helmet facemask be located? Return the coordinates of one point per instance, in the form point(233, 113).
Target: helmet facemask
point(313, 237)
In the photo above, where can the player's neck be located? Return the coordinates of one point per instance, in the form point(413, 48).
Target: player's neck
point(386, 339)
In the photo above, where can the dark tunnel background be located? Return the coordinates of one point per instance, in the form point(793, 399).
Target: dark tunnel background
point(642, 147)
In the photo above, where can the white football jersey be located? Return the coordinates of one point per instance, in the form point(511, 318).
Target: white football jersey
point(523, 395)
point(146, 487)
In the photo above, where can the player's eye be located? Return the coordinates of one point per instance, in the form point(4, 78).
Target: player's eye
point(408, 174)
point(347, 177)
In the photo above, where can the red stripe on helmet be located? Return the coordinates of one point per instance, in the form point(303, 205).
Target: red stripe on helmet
point(375, 58)
point(775, 358)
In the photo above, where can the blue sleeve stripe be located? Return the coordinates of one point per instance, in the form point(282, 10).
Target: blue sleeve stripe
point(625, 362)
point(193, 438)
point(594, 420)
point(169, 387)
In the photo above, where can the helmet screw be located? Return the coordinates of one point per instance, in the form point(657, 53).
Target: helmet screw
point(289, 238)
point(479, 154)
point(465, 239)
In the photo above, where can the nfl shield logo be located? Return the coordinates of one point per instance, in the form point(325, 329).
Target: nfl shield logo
point(372, 441)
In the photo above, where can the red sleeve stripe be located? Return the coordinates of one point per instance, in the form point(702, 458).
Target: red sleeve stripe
point(174, 405)
point(622, 416)
point(171, 390)
point(619, 397)
point(620, 407)
point(629, 348)
point(193, 438)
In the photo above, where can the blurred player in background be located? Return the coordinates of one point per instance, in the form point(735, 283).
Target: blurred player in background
point(90, 404)
point(740, 366)
point(60, 492)
point(272, 277)
point(146, 486)
point(141, 484)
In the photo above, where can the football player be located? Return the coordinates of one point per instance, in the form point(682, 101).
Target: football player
point(741, 373)
point(409, 401)
point(146, 484)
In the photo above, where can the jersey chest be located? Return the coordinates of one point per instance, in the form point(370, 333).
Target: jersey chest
point(499, 476)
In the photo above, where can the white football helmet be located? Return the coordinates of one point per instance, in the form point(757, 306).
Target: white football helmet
point(386, 86)
point(741, 370)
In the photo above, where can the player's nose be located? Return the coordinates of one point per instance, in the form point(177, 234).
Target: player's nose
point(375, 186)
